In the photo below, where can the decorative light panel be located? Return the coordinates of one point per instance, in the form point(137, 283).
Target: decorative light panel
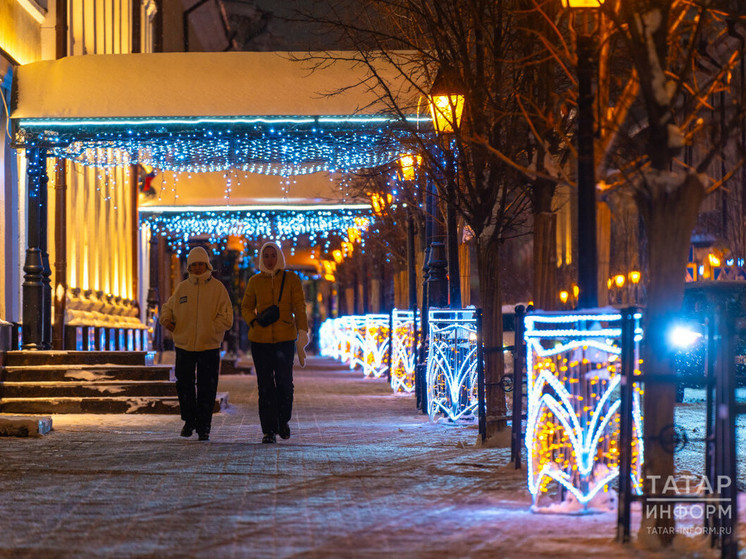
point(267, 145)
point(403, 351)
point(330, 338)
point(573, 398)
point(375, 344)
point(452, 365)
point(359, 340)
point(350, 332)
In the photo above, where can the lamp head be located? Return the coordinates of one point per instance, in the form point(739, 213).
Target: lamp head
point(408, 164)
point(582, 4)
point(447, 97)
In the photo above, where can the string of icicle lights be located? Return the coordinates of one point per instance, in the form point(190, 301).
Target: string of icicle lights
point(318, 223)
point(272, 146)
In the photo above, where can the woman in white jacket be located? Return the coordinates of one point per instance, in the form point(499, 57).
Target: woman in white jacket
point(198, 314)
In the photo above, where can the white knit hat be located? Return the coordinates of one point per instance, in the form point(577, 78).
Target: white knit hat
point(198, 254)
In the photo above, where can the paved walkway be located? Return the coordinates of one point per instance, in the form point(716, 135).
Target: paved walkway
point(363, 475)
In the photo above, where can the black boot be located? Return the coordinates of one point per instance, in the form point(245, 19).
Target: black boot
point(269, 438)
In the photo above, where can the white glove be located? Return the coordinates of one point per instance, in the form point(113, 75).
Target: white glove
point(300, 347)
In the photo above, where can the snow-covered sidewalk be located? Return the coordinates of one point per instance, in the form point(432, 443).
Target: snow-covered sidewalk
point(363, 475)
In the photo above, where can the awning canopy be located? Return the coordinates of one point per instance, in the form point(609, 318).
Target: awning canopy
point(319, 224)
point(205, 112)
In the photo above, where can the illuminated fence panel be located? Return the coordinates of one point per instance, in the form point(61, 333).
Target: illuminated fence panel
point(339, 338)
point(574, 377)
point(403, 351)
point(374, 339)
point(452, 364)
point(352, 332)
point(358, 340)
point(330, 344)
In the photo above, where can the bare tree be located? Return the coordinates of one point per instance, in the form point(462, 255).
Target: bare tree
point(418, 39)
point(679, 54)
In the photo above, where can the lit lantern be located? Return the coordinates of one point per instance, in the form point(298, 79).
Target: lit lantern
point(408, 164)
point(713, 260)
point(353, 235)
point(619, 280)
point(446, 102)
point(379, 203)
point(235, 243)
point(564, 295)
point(582, 4)
point(634, 277)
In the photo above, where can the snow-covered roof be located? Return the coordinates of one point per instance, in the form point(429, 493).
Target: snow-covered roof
point(198, 84)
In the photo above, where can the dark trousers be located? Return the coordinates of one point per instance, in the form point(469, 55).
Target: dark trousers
point(197, 405)
point(274, 379)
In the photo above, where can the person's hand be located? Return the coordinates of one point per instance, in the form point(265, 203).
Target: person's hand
point(300, 346)
point(303, 338)
point(171, 327)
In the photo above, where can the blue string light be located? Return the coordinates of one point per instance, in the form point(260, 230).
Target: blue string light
point(273, 146)
point(216, 225)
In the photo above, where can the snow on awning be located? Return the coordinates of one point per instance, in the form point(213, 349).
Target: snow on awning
point(205, 112)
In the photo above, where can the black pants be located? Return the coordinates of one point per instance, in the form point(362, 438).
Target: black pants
point(274, 379)
point(196, 406)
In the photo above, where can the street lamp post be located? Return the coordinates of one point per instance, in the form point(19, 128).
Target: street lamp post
point(408, 164)
point(587, 250)
point(447, 101)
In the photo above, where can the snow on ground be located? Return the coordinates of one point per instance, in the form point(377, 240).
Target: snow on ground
point(363, 475)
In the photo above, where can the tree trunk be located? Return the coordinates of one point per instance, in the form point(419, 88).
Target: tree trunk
point(494, 364)
point(670, 214)
point(545, 261)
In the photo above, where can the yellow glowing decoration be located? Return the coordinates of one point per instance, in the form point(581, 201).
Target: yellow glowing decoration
point(328, 267)
point(619, 280)
point(634, 277)
point(378, 203)
point(564, 295)
point(451, 375)
point(235, 243)
point(353, 235)
point(446, 101)
point(582, 4)
point(573, 419)
point(402, 351)
point(446, 111)
point(575, 291)
point(713, 260)
point(408, 164)
point(375, 345)
point(338, 256)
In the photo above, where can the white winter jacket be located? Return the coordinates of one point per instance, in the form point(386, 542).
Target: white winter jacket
point(201, 310)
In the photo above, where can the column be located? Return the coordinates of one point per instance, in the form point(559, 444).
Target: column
point(33, 268)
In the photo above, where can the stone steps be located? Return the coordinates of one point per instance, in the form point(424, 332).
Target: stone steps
point(86, 389)
point(46, 382)
point(112, 404)
point(37, 358)
point(77, 373)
